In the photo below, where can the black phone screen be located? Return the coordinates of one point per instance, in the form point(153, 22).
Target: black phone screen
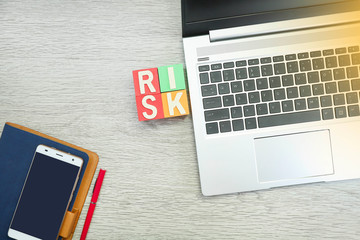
point(45, 197)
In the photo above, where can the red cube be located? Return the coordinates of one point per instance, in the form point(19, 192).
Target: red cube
point(149, 107)
point(146, 81)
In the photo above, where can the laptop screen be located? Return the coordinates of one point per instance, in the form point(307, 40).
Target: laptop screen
point(200, 16)
point(205, 10)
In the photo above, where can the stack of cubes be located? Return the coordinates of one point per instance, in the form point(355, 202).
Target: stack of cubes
point(161, 92)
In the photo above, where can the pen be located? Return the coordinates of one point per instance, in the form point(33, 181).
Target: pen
point(92, 205)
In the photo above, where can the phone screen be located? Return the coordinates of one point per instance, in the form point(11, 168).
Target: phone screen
point(45, 197)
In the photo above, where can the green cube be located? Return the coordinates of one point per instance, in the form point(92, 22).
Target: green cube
point(171, 78)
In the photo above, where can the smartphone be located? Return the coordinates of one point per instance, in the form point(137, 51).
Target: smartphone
point(46, 195)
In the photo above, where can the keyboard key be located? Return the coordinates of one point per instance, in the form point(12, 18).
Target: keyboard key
point(330, 87)
point(344, 86)
point(292, 92)
point(344, 60)
point(215, 77)
point(292, 67)
point(218, 114)
point(326, 75)
point(224, 88)
point(204, 78)
point(278, 59)
point(253, 62)
point(287, 80)
point(313, 102)
point(328, 52)
point(249, 110)
point(265, 60)
point(318, 63)
point(275, 82)
point(327, 113)
point(353, 110)
point(313, 77)
point(229, 65)
point(305, 65)
point(300, 78)
point(352, 72)
point(261, 83)
point(266, 96)
point(238, 125)
point(236, 87)
point(304, 55)
point(241, 63)
point(249, 85)
point(213, 102)
point(228, 75)
point(254, 72)
point(353, 49)
point(289, 118)
point(340, 50)
point(326, 101)
point(339, 73)
point(352, 98)
point(339, 99)
point(290, 57)
point(355, 84)
point(236, 112)
point(250, 123)
point(241, 73)
point(305, 91)
point(261, 109)
point(287, 106)
point(274, 107)
point(315, 54)
point(355, 58)
point(217, 66)
point(204, 68)
point(228, 100)
point(241, 99)
point(212, 128)
point(279, 94)
point(318, 89)
point(225, 126)
point(300, 104)
point(254, 97)
point(266, 70)
point(340, 112)
point(331, 62)
point(279, 68)
point(209, 90)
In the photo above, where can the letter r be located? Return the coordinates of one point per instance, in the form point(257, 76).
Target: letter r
point(148, 81)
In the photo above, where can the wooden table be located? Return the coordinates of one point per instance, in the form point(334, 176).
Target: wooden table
point(66, 70)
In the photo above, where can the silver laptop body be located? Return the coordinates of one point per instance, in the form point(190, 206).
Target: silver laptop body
point(274, 103)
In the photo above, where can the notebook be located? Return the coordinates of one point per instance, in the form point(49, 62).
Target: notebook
point(275, 91)
point(17, 147)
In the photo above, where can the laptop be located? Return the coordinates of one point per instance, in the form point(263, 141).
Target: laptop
point(275, 91)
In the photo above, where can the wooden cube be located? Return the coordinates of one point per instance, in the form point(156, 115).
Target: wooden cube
point(175, 103)
point(146, 81)
point(171, 78)
point(149, 107)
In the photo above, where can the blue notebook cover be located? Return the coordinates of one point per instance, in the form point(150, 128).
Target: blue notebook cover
point(17, 148)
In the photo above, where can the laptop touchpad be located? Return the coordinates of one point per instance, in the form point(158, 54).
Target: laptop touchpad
point(294, 156)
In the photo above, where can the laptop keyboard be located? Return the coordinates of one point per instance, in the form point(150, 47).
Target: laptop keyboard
point(279, 90)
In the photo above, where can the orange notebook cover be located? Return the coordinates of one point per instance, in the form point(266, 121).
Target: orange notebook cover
point(71, 217)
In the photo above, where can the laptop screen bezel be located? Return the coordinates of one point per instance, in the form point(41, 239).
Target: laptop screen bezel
point(203, 27)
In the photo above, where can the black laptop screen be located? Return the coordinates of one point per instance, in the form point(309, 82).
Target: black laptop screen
point(204, 10)
point(200, 16)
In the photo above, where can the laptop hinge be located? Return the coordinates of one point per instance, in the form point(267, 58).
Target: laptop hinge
point(284, 26)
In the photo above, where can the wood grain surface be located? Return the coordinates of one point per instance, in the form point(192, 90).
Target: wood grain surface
point(66, 70)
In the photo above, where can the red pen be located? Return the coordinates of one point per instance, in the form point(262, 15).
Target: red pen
point(92, 205)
